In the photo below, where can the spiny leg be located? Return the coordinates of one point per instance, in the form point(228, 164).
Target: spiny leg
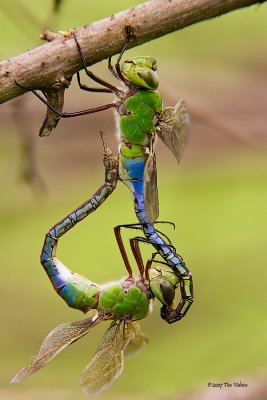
point(134, 243)
point(117, 71)
point(149, 263)
point(108, 88)
point(152, 260)
point(68, 114)
point(58, 274)
point(111, 69)
point(145, 240)
point(138, 226)
point(129, 34)
point(122, 250)
point(135, 246)
point(89, 89)
point(111, 88)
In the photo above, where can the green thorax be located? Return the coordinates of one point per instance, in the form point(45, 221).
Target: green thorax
point(139, 119)
point(132, 302)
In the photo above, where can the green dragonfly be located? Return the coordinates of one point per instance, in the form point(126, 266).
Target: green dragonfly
point(141, 118)
point(125, 302)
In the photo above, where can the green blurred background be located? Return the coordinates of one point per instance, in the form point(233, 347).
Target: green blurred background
point(216, 197)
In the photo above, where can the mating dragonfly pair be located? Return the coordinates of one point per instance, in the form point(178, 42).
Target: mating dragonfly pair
point(141, 118)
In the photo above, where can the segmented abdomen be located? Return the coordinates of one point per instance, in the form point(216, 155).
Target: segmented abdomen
point(76, 290)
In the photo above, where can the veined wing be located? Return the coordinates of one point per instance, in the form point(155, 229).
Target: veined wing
point(138, 341)
point(59, 338)
point(174, 127)
point(107, 363)
point(151, 189)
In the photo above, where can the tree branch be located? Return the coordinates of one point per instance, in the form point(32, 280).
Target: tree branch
point(55, 61)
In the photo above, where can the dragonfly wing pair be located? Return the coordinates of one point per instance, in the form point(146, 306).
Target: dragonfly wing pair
point(121, 338)
point(106, 365)
point(56, 341)
point(173, 128)
point(151, 200)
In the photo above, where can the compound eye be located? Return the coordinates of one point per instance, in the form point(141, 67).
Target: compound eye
point(168, 292)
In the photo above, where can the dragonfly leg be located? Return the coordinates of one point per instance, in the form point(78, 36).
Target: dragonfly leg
point(60, 276)
point(111, 69)
point(111, 88)
point(89, 89)
point(129, 33)
point(138, 226)
point(69, 114)
point(117, 231)
point(149, 263)
point(134, 242)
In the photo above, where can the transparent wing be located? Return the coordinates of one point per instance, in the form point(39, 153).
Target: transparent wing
point(174, 128)
point(151, 189)
point(59, 338)
point(107, 363)
point(138, 341)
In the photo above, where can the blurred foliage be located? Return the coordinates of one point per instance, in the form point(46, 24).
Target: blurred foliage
point(217, 199)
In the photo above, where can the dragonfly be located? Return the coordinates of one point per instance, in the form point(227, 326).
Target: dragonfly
point(141, 119)
point(125, 302)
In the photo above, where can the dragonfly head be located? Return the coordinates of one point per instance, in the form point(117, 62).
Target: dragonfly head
point(141, 71)
point(163, 283)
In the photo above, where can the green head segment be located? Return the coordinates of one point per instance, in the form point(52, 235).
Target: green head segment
point(141, 71)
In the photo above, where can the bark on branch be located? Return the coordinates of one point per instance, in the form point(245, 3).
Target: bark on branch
point(54, 61)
